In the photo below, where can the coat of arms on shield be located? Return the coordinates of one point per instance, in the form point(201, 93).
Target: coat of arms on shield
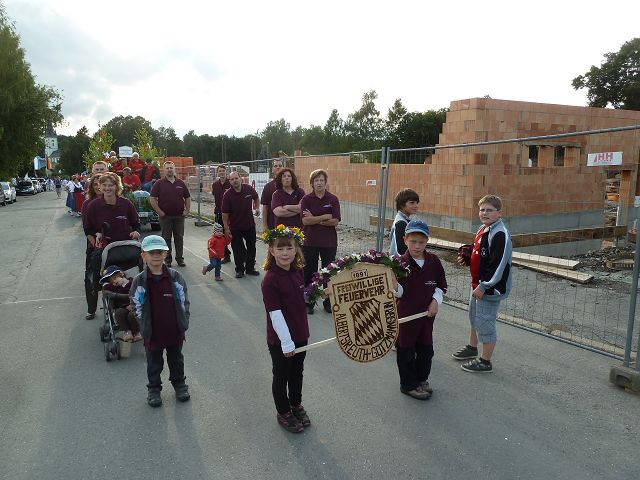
point(364, 311)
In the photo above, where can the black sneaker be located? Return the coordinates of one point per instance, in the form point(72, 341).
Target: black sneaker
point(301, 414)
point(182, 392)
point(466, 353)
point(239, 274)
point(153, 398)
point(253, 273)
point(477, 366)
point(290, 423)
point(416, 393)
point(326, 304)
point(181, 263)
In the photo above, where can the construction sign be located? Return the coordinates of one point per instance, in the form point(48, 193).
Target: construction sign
point(364, 311)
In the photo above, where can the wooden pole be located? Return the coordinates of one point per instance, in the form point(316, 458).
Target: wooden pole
point(327, 341)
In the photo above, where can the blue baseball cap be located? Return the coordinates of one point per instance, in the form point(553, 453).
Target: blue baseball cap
point(154, 242)
point(417, 226)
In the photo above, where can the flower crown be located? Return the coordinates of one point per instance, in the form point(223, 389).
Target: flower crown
point(281, 231)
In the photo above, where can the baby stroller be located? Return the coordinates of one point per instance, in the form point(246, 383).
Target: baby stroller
point(126, 254)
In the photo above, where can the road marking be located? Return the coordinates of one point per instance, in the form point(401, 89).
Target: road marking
point(42, 300)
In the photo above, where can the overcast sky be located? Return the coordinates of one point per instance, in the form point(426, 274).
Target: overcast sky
point(231, 67)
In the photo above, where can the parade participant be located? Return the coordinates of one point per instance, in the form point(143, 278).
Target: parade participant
point(407, 201)
point(149, 174)
point(90, 292)
point(216, 246)
point(118, 167)
point(93, 192)
point(320, 215)
point(108, 218)
point(218, 188)
point(78, 195)
point(130, 180)
point(58, 184)
point(490, 266)
point(285, 201)
point(114, 280)
point(287, 325)
point(420, 291)
point(268, 218)
point(135, 164)
point(239, 205)
point(161, 306)
point(99, 167)
point(170, 197)
point(71, 199)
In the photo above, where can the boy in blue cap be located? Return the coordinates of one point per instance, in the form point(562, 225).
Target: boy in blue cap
point(161, 305)
point(420, 291)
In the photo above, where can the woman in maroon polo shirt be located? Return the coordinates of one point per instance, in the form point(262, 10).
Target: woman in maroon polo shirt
point(320, 215)
point(285, 201)
point(110, 218)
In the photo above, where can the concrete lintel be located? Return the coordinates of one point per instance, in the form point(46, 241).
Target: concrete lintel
point(626, 377)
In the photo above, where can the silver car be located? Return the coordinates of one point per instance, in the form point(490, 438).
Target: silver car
point(9, 193)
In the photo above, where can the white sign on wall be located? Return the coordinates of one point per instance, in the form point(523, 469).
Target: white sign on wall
point(125, 152)
point(603, 159)
point(258, 181)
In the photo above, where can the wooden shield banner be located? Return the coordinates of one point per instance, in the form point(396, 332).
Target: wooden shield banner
point(364, 311)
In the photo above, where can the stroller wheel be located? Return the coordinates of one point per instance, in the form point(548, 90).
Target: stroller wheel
point(104, 333)
point(107, 352)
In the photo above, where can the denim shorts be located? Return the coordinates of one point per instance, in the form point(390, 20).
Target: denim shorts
point(482, 317)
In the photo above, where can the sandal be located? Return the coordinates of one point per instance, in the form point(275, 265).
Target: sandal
point(90, 316)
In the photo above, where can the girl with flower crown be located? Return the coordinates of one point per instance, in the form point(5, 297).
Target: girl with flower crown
point(287, 326)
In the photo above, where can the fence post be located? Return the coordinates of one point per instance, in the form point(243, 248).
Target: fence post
point(384, 196)
point(380, 212)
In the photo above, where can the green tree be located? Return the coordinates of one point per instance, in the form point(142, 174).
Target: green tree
point(26, 108)
point(123, 129)
point(420, 129)
point(167, 142)
point(72, 150)
point(143, 144)
point(617, 81)
point(395, 115)
point(276, 136)
point(364, 127)
point(99, 147)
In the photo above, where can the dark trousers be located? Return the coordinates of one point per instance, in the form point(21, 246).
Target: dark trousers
point(126, 320)
point(311, 255)
point(286, 386)
point(414, 365)
point(173, 226)
point(92, 264)
point(218, 217)
point(155, 364)
point(215, 263)
point(243, 245)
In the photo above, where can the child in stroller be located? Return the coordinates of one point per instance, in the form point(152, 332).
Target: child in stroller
point(113, 280)
point(120, 261)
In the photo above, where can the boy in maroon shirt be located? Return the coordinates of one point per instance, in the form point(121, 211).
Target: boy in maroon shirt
point(161, 306)
point(420, 291)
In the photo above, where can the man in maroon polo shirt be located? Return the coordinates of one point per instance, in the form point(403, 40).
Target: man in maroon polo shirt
point(218, 188)
point(171, 199)
point(239, 205)
point(268, 218)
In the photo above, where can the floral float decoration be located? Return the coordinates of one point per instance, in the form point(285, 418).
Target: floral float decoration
point(315, 290)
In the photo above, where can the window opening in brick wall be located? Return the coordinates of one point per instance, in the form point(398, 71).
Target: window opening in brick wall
point(558, 156)
point(533, 156)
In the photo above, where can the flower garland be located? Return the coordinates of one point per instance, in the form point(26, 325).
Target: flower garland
point(280, 231)
point(315, 289)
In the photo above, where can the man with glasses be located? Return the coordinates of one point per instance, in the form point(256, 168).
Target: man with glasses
point(490, 265)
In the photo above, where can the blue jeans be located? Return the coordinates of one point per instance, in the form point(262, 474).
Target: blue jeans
point(146, 186)
point(215, 263)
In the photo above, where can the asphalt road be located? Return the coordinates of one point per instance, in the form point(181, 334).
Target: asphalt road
point(547, 411)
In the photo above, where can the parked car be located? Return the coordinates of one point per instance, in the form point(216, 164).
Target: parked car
point(37, 185)
point(8, 193)
point(42, 182)
point(26, 187)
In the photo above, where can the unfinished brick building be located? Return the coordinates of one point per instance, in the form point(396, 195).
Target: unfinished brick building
point(554, 202)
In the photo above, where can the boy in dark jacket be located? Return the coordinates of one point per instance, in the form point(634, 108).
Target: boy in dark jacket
point(161, 304)
point(490, 265)
point(420, 291)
